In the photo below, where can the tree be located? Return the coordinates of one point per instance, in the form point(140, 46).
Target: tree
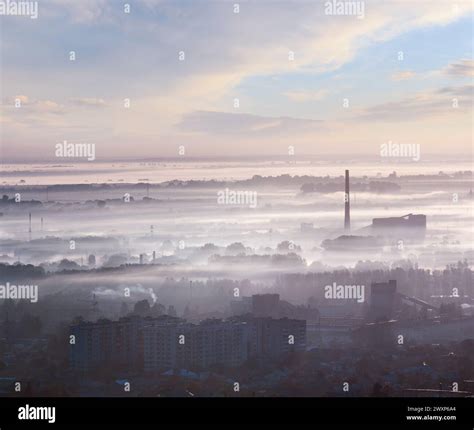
point(141, 307)
point(171, 311)
point(287, 246)
point(235, 248)
point(186, 313)
point(30, 326)
point(124, 309)
point(158, 309)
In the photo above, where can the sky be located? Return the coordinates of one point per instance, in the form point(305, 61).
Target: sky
point(276, 78)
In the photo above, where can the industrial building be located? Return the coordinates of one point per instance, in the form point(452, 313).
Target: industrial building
point(411, 226)
point(382, 300)
point(407, 225)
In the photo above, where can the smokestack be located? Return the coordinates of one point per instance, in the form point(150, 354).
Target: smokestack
point(347, 205)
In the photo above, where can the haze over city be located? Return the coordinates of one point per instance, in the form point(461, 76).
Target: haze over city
point(237, 199)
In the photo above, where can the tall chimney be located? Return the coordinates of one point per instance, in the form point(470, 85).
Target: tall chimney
point(347, 205)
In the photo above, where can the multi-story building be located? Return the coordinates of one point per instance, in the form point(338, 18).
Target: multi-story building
point(157, 344)
point(265, 305)
point(182, 345)
point(220, 342)
point(107, 342)
point(163, 346)
point(273, 338)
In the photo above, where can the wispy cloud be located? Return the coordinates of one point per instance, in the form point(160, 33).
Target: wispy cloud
point(88, 102)
point(29, 105)
point(444, 101)
point(403, 75)
point(239, 123)
point(461, 68)
point(83, 12)
point(305, 96)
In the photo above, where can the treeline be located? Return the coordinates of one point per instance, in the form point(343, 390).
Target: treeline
point(332, 187)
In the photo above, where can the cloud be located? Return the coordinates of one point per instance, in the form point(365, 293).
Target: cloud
point(29, 105)
point(88, 102)
point(464, 91)
point(232, 47)
point(135, 55)
point(80, 12)
point(461, 68)
point(22, 98)
point(48, 106)
point(403, 75)
point(305, 96)
point(240, 124)
point(422, 105)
